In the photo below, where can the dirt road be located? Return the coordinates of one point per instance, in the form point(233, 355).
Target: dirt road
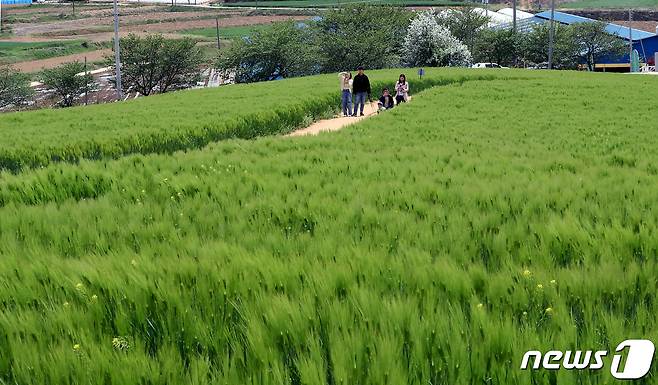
point(334, 124)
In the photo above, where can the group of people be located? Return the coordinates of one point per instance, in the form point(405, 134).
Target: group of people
point(357, 89)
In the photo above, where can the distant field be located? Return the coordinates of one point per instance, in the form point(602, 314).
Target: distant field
point(13, 52)
point(611, 4)
point(333, 3)
point(226, 33)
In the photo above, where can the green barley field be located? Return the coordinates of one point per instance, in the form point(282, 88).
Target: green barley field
point(180, 239)
point(226, 32)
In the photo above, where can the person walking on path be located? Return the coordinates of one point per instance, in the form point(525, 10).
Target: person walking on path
point(346, 92)
point(361, 88)
point(401, 89)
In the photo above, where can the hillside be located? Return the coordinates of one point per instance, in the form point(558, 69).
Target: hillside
point(499, 212)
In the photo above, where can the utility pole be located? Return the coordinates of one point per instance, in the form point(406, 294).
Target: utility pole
point(0, 16)
point(117, 53)
point(551, 36)
point(217, 21)
point(86, 84)
point(514, 15)
point(630, 39)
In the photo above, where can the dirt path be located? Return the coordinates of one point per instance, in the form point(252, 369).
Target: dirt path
point(37, 65)
point(336, 123)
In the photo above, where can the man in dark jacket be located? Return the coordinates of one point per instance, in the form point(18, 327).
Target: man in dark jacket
point(361, 89)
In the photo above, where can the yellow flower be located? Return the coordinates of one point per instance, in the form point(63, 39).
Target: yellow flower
point(66, 304)
point(133, 262)
point(525, 313)
point(527, 273)
point(549, 311)
point(540, 287)
point(79, 286)
point(120, 343)
point(76, 347)
point(94, 297)
point(553, 282)
point(480, 306)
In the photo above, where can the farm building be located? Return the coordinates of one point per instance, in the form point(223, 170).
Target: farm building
point(646, 43)
point(503, 16)
point(497, 18)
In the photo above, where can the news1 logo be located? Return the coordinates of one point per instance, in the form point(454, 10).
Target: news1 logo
point(637, 364)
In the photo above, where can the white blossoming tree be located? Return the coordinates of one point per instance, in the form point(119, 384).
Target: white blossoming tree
point(429, 44)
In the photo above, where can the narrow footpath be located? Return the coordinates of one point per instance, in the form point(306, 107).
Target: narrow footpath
point(336, 123)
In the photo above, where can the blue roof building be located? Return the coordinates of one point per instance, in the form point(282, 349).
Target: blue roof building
point(646, 43)
point(12, 2)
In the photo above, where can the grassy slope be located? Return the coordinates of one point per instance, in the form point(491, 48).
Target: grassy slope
point(610, 4)
point(352, 257)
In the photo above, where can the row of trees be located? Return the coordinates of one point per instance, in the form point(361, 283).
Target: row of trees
point(149, 64)
point(342, 39)
point(376, 37)
point(380, 37)
point(581, 43)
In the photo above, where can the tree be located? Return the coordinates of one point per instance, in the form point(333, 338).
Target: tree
point(14, 88)
point(500, 46)
point(153, 63)
point(370, 36)
point(68, 80)
point(465, 24)
point(595, 43)
point(284, 50)
point(565, 49)
point(429, 44)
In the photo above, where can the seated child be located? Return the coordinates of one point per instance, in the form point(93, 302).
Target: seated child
point(386, 102)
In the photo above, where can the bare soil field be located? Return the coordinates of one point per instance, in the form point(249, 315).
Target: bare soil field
point(103, 18)
point(169, 29)
point(94, 23)
point(649, 26)
point(38, 65)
